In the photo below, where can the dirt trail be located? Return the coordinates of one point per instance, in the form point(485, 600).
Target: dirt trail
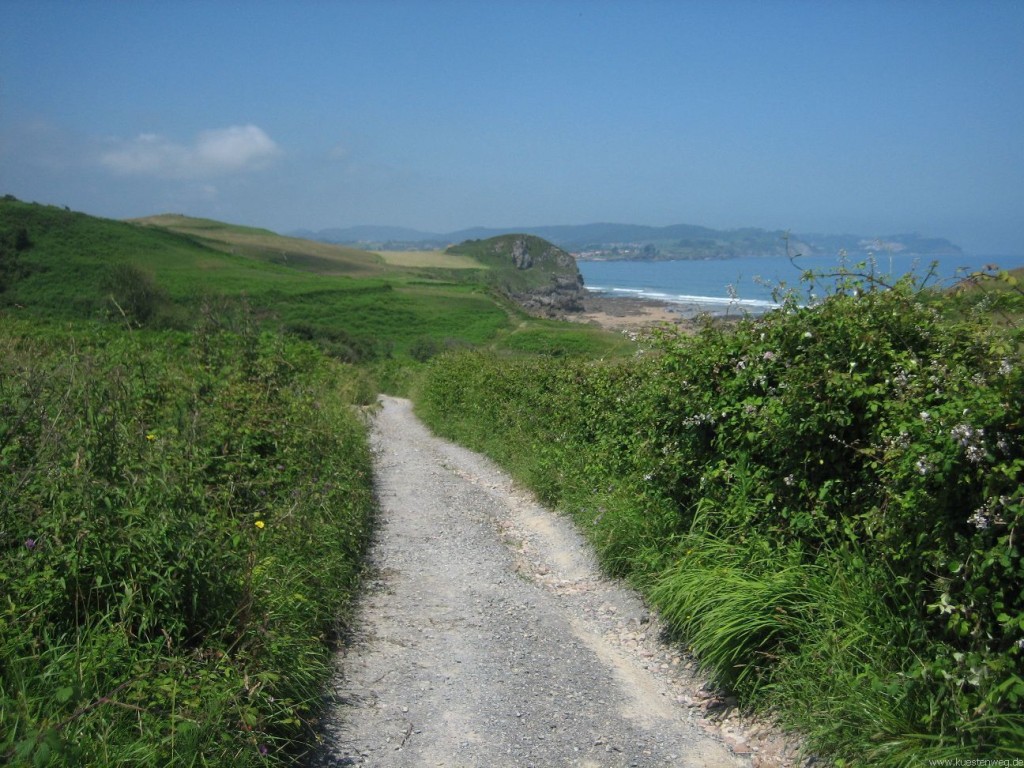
point(487, 636)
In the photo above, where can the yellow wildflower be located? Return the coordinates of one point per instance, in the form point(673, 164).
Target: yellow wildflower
point(259, 524)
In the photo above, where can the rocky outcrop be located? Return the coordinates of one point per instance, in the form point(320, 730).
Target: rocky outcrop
point(563, 292)
point(521, 254)
point(539, 276)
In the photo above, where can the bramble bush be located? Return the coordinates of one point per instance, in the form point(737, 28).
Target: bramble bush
point(825, 502)
point(182, 518)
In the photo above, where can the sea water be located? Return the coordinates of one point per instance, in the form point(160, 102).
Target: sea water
point(755, 283)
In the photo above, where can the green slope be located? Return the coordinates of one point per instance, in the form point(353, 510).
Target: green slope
point(268, 246)
point(64, 265)
point(166, 271)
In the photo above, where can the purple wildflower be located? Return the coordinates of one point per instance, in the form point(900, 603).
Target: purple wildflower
point(30, 544)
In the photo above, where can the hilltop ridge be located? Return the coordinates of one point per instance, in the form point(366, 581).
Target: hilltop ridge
point(647, 243)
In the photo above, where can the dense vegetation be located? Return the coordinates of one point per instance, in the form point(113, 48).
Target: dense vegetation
point(185, 488)
point(181, 523)
point(825, 503)
point(185, 495)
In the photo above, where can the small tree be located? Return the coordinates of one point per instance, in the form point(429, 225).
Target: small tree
point(135, 292)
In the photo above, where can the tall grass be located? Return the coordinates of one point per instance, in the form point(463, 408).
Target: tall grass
point(182, 519)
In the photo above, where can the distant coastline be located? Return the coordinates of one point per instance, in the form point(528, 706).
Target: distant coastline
point(754, 283)
point(636, 242)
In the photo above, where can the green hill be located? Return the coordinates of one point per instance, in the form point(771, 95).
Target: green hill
point(166, 271)
point(536, 274)
point(67, 264)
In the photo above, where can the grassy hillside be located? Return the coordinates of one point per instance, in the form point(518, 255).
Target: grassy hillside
point(71, 264)
point(165, 271)
point(548, 262)
point(268, 246)
point(184, 500)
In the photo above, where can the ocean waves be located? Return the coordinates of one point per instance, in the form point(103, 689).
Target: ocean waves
point(712, 304)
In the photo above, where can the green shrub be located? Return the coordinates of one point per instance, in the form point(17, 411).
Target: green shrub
point(134, 293)
point(794, 487)
point(13, 243)
point(424, 348)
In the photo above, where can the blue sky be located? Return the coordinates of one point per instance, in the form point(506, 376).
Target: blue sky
point(873, 118)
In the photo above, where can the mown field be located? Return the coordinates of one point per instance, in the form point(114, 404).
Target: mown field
point(185, 484)
point(429, 259)
point(824, 503)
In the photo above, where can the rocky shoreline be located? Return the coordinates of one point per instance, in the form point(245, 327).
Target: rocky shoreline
point(630, 313)
point(615, 313)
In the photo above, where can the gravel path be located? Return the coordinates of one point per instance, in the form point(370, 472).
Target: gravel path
point(487, 636)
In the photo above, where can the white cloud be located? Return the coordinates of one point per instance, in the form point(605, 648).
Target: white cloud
point(213, 153)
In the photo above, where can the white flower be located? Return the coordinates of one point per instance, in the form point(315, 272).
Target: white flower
point(979, 519)
point(975, 454)
point(966, 435)
point(901, 441)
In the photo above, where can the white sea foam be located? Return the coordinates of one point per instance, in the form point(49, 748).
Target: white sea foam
point(709, 302)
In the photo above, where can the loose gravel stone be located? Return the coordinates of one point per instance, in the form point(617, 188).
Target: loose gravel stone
point(487, 636)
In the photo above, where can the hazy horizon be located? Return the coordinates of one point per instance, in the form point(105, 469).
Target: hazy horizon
point(871, 118)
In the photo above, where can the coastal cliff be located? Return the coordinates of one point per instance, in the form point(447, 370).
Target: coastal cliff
point(539, 276)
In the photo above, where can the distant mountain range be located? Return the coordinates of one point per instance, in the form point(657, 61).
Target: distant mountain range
point(640, 242)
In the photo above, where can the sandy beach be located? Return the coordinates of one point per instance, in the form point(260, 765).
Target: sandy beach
point(616, 313)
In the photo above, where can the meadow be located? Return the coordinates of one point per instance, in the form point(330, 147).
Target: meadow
point(269, 246)
point(429, 259)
